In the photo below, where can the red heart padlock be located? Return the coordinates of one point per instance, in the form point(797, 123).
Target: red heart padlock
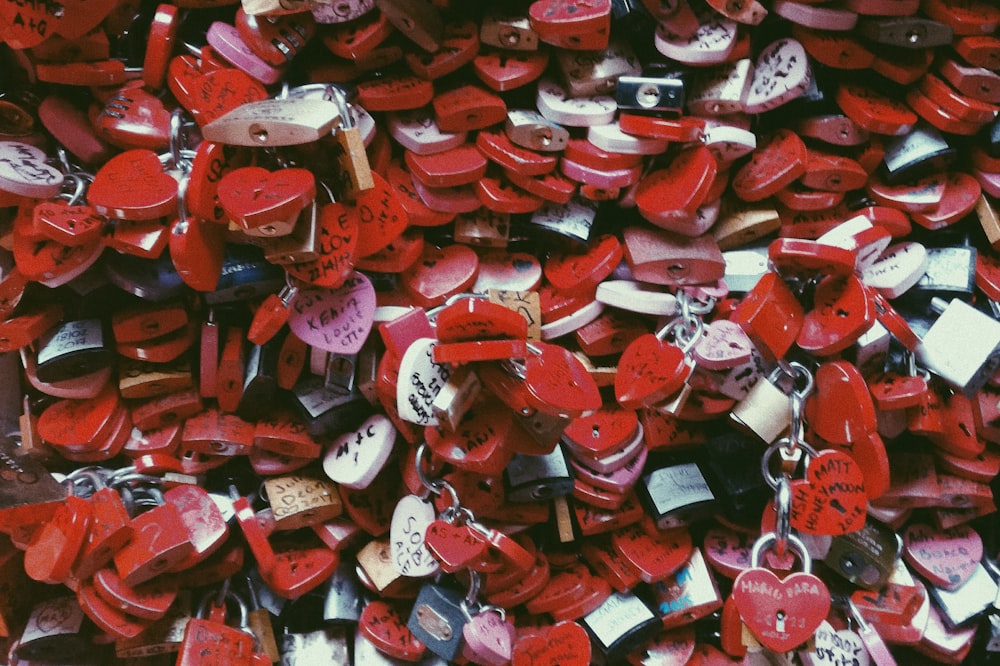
point(841, 313)
point(384, 627)
point(564, 644)
point(454, 546)
point(840, 383)
point(338, 248)
point(382, 217)
point(56, 544)
point(831, 499)
point(133, 186)
point(781, 613)
point(69, 225)
point(770, 315)
point(478, 318)
point(507, 70)
point(575, 273)
point(197, 249)
point(657, 556)
point(773, 167)
point(440, 273)
point(560, 18)
point(557, 382)
point(255, 197)
point(216, 93)
point(650, 371)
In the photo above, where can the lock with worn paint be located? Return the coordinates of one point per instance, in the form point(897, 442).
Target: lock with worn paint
point(536, 478)
point(438, 616)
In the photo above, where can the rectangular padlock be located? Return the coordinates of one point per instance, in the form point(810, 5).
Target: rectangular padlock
point(919, 152)
point(245, 275)
point(28, 492)
point(732, 460)
point(689, 594)
point(962, 347)
point(620, 624)
point(597, 73)
point(327, 411)
point(141, 379)
point(260, 380)
point(721, 89)
point(968, 603)
point(534, 478)
point(483, 228)
point(866, 557)
point(344, 601)
point(437, 619)
point(72, 349)
point(676, 493)
point(55, 628)
point(643, 93)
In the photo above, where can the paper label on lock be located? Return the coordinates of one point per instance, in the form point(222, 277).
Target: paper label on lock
point(618, 615)
point(680, 485)
point(420, 381)
point(73, 336)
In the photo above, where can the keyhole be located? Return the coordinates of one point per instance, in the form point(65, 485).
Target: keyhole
point(965, 429)
point(779, 621)
point(596, 432)
point(835, 503)
point(842, 313)
point(912, 36)
point(259, 133)
point(648, 96)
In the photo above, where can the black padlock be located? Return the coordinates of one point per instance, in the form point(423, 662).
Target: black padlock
point(531, 478)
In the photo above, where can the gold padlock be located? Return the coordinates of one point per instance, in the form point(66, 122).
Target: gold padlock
point(766, 411)
point(299, 501)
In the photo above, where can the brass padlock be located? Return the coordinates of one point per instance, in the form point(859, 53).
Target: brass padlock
point(766, 411)
point(299, 501)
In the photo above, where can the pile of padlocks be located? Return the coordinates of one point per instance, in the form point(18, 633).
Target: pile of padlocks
point(553, 332)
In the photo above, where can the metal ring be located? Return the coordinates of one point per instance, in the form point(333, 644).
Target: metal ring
point(783, 504)
point(765, 461)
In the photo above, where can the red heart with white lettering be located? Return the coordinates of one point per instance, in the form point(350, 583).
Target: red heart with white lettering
point(947, 558)
point(564, 644)
point(831, 499)
point(649, 371)
point(781, 614)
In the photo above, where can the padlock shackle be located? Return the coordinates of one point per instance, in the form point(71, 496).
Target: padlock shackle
point(771, 539)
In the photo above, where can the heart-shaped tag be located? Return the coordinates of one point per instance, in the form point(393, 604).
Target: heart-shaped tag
point(23, 171)
point(454, 546)
point(410, 520)
point(381, 217)
point(831, 499)
point(772, 167)
point(564, 644)
point(69, 225)
point(655, 558)
point(424, 380)
point(255, 197)
point(947, 558)
point(900, 267)
point(133, 186)
point(781, 613)
point(558, 382)
point(439, 273)
point(489, 638)
point(836, 647)
point(604, 431)
point(336, 320)
point(722, 346)
point(355, 458)
point(649, 371)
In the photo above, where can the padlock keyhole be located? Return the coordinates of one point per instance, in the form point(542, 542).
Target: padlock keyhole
point(779, 621)
point(596, 431)
point(258, 133)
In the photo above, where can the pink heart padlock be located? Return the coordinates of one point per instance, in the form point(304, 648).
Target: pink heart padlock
point(489, 639)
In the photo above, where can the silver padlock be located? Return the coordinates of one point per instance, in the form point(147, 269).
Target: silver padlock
point(343, 602)
point(529, 129)
point(530, 478)
point(962, 346)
